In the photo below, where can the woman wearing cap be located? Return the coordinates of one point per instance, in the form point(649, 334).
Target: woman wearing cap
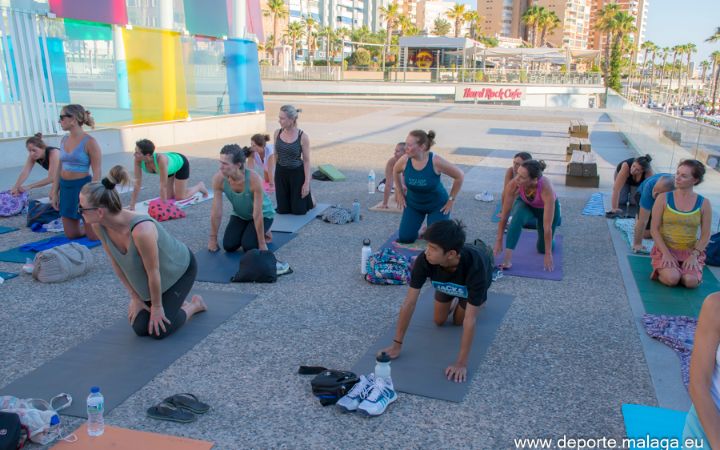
point(157, 270)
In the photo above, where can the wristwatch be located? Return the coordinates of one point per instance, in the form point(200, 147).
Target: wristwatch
point(451, 198)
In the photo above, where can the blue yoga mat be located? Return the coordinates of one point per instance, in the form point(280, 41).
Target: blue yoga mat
point(594, 206)
point(649, 422)
point(495, 218)
point(23, 252)
point(7, 275)
point(4, 230)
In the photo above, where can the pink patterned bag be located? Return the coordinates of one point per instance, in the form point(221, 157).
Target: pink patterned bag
point(162, 211)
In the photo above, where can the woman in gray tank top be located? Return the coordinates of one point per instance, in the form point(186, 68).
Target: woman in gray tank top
point(157, 270)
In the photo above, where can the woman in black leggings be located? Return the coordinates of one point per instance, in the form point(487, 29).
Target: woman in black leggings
point(292, 172)
point(157, 270)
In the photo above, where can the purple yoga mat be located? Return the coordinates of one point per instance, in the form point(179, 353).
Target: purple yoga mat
point(527, 262)
point(406, 252)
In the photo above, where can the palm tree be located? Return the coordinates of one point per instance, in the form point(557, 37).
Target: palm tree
point(310, 25)
point(548, 21)
point(441, 27)
point(715, 37)
point(704, 65)
point(715, 57)
point(605, 22)
point(277, 10)
point(474, 19)
point(295, 32)
point(530, 18)
point(654, 51)
point(664, 55)
point(647, 46)
point(329, 35)
point(390, 14)
point(457, 13)
point(622, 25)
point(676, 50)
point(406, 25)
point(689, 49)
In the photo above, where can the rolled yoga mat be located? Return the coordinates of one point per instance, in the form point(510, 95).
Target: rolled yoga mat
point(220, 266)
point(528, 263)
point(644, 423)
point(119, 361)
point(428, 349)
point(670, 301)
point(29, 250)
point(290, 223)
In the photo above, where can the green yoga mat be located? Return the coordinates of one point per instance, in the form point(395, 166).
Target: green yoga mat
point(676, 301)
point(331, 172)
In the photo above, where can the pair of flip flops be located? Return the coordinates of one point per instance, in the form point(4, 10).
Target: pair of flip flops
point(180, 408)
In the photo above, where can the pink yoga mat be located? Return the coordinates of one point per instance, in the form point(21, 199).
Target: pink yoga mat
point(527, 262)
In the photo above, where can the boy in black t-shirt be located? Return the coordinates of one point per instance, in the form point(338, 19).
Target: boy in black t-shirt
point(456, 270)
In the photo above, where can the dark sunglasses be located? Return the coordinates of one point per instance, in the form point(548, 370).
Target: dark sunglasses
point(62, 116)
point(81, 210)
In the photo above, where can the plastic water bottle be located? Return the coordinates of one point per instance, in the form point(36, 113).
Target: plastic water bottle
point(356, 211)
point(371, 182)
point(95, 408)
point(382, 366)
point(364, 255)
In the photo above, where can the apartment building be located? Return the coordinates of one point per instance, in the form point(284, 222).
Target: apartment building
point(503, 17)
point(636, 8)
point(574, 29)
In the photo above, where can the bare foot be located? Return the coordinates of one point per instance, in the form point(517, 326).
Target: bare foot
point(203, 190)
point(268, 237)
point(505, 265)
point(194, 306)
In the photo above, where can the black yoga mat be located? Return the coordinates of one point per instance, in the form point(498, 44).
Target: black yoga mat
point(120, 362)
point(220, 266)
point(429, 349)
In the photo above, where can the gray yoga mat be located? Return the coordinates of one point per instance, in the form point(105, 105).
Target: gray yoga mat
point(118, 361)
point(220, 266)
point(290, 223)
point(429, 349)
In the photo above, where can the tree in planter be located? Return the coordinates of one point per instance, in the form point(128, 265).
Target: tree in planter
point(606, 23)
point(441, 27)
point(295, 32)
point(457, 14)
point(621, 25)
point(277, 10)
point(361, 57)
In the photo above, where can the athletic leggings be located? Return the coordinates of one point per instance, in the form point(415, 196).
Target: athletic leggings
point(241, 233)
point(288, 191)
point(521, 214)
point(412, 220)
point(172, 300)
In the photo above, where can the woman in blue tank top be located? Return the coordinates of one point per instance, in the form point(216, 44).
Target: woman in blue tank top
point(79, 153)
point(157, 269)
point(426, 196)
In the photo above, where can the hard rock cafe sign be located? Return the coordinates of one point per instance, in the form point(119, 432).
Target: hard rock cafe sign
point(424, 59)
point(488, 93)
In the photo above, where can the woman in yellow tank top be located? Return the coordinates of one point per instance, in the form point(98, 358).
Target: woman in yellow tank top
point(678, 256)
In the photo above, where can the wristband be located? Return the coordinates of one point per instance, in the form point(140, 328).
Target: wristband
point(397, 342)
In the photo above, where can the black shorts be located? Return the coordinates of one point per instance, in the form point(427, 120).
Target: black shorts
point(442, 297)
point(183, 172)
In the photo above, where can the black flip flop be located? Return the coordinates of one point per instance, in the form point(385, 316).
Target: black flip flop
point(188, 402)
point(169, 412)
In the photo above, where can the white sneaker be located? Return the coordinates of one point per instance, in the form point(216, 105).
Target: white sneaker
point(488, 197)
point(359, 392)
point(379, 398)
point(381, 187)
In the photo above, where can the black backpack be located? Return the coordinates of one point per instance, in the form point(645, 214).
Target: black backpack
point(712, 251)
point(329, 385)
point(11, 435)
point(256, 266)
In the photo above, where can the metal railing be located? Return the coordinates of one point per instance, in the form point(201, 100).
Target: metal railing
point(318, 73)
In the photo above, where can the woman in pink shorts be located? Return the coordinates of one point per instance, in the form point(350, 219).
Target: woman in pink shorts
point(678, 256)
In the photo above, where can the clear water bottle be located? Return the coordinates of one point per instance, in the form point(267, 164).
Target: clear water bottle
point(356, 211)
point(95, 408)
point(364, 255)
point(371, 182)
point(382, 366)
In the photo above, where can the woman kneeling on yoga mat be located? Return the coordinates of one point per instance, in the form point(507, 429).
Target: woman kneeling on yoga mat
point(157, 270)
point(174, 171)
point(426, 196)
point(252, 211)
point(678, 256)
point(529, 195)
point(703, 419)
point(461, 275)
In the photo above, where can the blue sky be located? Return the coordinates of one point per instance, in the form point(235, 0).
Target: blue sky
point(672, 22)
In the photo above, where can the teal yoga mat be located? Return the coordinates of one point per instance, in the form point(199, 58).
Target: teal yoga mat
point(644, 424)
point(7, 275)
point(4, 230)
point(16, 255)
point(670, 301)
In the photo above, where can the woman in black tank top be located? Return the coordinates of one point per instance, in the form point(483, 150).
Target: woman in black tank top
point(628, 176)
point(292, 172)
point(38, 153)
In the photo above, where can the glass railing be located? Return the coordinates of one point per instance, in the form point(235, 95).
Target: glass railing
point(669, 140)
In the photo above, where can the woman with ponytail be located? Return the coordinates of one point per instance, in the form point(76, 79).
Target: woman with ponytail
point(529, 195)
point(42, 154)
point(261, 158)
point(420, 169)
point(629, 175)
point(79, 153)
point(157, 270)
